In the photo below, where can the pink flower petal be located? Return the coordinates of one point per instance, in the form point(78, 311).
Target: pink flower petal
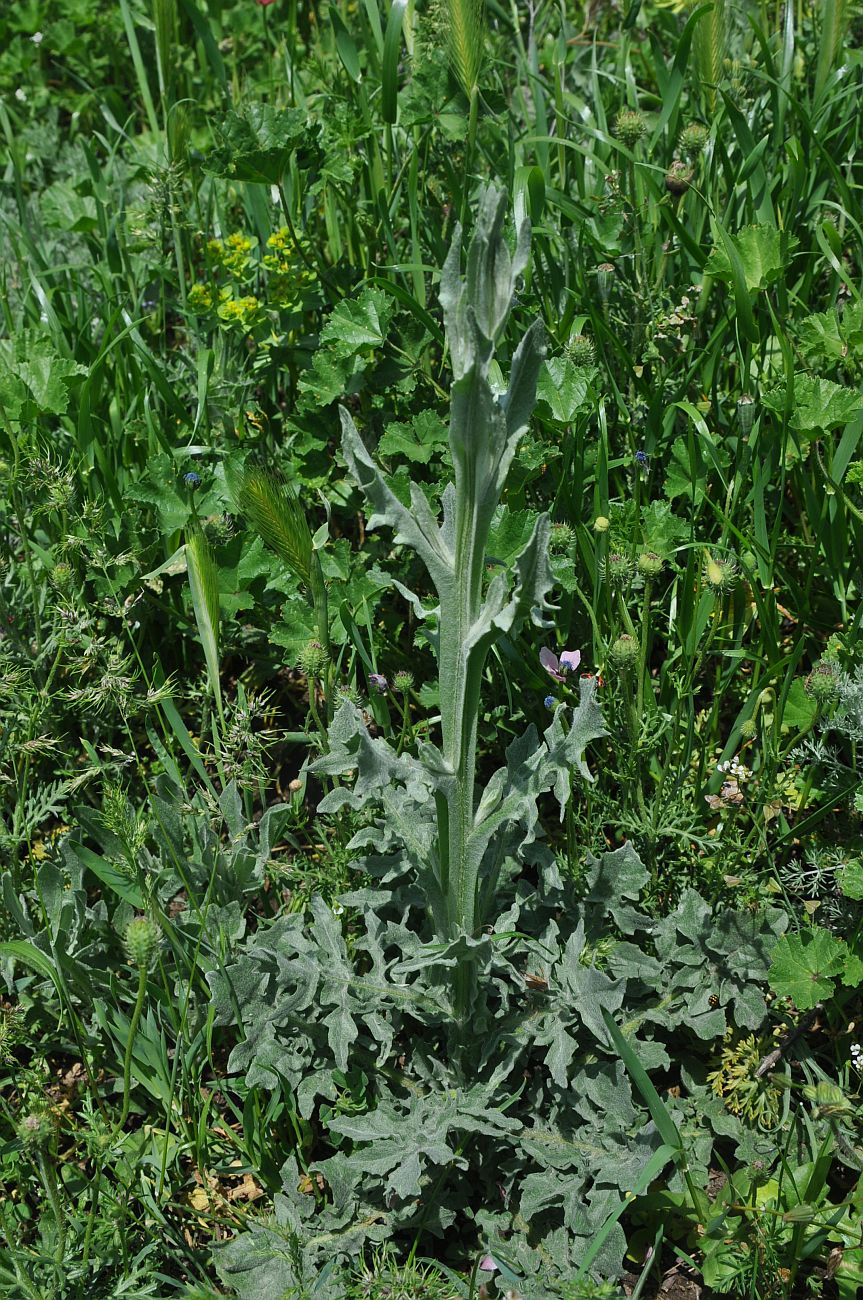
point(549, 662)
point(570, 659)
point(487, 1265)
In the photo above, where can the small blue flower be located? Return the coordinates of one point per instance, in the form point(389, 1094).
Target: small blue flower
point(641, 457)
point(192, 479)
point(549, 701)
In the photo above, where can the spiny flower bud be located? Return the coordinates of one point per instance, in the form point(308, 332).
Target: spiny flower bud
point(748, 729)
point(36, 1131)
point(349, 693)
point(649, 564)
point(624, 651)
point(601, 524)
point(678, 178)
point(720, 573)
point(562, 539)
point(746, 412)
point(580, 351)
point(822, 684)
point(693, 139)
point(142, 941)
point(379, 683)
point(312, 659)
point(618, 569)
point(403, 682)
point(629, 126)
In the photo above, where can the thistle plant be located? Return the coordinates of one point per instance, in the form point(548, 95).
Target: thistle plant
point(453, 841)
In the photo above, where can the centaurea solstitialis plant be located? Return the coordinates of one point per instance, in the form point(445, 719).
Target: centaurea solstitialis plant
point(455, 842)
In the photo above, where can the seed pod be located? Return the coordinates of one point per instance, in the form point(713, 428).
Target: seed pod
point(604, 279)
point(678, 178)
point(746, 412)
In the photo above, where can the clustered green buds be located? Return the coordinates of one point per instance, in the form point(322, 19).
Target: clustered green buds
point(618, 569)
point(580, 350)
point(601, 524)
point(649, 564)
point(349, 693)
point(313, 659)
point(822, 684)
point(36, 1131)
point(61, 575)
point(720, 573)
point(403, 682)
point(630, 126)
point(829, 1099)
point(624, 651)
point(142, 939)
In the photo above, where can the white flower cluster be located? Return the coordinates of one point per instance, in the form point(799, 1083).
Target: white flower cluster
point(733, 768)
point(857, 1056)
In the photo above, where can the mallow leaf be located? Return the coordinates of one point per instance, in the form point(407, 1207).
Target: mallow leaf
point(256, 144)
point(763, 250)
point(805, 966)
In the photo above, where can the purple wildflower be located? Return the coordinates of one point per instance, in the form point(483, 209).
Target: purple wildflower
point(487, 1265)
point(558, 668)
point(379, 682)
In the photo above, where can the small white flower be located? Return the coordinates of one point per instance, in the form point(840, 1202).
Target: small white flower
point(21, 95)
point(338, 910)
point(37, 38)
point(857, 1056)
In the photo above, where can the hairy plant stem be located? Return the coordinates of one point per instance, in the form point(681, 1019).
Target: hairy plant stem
point(130, 1044)
point(48, 1175)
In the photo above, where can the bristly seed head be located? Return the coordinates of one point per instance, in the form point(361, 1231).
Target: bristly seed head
point(618, 569)
point(624, 651)
point(720, 573)
point(822, 684)
point(630, 126)
point(693, 139)
point(313, 659)
point(142, 940)
point(649, 564)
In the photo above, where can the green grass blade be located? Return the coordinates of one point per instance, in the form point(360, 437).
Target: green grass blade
point(204, 584)
point(390, 70)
